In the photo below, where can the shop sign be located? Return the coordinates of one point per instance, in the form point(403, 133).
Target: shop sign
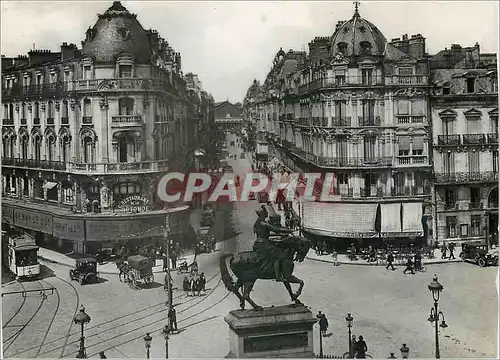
point(7, 214)
point(33, 220)
point(69, 229)
point(135, 204)
point(117, 229)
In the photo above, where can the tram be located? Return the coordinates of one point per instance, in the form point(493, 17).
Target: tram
point(20, 255)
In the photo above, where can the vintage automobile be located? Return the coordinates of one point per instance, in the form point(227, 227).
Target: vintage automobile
point(206, 240)
point(478, 252)
point(106, 254)
point(85, 272)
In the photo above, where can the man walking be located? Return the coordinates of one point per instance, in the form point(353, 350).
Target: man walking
point(451, 249)
point(443, 251)
point(323, 323)
point(390, 261)
point(362, 348)
point(409, 266)
point(172, 319)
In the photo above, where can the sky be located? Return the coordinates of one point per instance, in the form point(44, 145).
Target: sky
point(229, 44)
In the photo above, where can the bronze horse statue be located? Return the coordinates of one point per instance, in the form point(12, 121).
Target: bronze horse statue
point(242, 270)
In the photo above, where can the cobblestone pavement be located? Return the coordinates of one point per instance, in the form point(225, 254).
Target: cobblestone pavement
point(389, 308)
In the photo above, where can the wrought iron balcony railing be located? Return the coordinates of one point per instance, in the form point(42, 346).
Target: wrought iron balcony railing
point(492, 138)
point(64, 120)
point(475, 205)
point(463, 177)
point(474, 139)
point(411, 160)
point(349, 161)
point(34, 164)
point(369, 121)
point(8, 122)
point(24, 121)
point(87, 120)
point(127, 119)
point(406, 80)
point(410, 190)
point(341, 81)
point(450, 206)
point(341, 121)
point(449, 140)
point(410, 119)
point(372, 192)
point(50, 121)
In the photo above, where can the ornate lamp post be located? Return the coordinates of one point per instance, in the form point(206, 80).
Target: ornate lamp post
point(405, 351)
point(349, 320)
point(81, 318)
point(435, 287)
point(147, 343)
point(166, 334)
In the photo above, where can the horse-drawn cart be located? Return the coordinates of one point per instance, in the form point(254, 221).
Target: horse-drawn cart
point(139, 268)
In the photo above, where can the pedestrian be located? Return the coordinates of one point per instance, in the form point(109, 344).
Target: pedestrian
point(443, 251)
point(203, 282)
point(323, 323)
point(409, 266)
point(361, 348)
point(172, 319)
point(354, 347)
point(451, 249)
point(173, 258)
point(390, 261)
point(335, 258)
point(102, 355)
point(165, 263)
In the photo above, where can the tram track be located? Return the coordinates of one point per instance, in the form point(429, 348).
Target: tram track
point(51, 320)
point(163, 318)
point(18, 310)
point(16, 335)
point(110, 322)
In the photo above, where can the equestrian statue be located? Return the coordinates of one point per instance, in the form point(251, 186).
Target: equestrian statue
point(274, 252)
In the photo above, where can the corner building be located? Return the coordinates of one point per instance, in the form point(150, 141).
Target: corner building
point(357, 106)
point(88, 132)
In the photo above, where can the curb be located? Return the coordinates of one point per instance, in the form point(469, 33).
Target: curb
point(366, 264)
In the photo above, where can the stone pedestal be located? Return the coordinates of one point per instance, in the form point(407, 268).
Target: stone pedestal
point(276, 332)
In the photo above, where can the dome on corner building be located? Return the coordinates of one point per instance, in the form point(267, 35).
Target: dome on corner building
point(117, 31)
point(357, 37)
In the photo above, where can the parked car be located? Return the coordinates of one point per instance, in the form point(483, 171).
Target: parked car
point(479, 253)
point(85, 272)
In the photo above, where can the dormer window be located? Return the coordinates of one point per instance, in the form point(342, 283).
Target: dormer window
point(366, 47)
point(405, 71)
point(471, 85)
point(87, 72)
point(446, 89)
point(342, 48)
point(125, 71)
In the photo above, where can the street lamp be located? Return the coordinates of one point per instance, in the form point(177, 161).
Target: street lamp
point(349, 320)
point(435, 287)
point(147, 343)
point(166, 333)
point(405, 351)
point(319, 316)
point(81, 318)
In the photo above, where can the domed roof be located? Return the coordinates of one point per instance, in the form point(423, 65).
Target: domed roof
point(357, 37)
point(117, 31)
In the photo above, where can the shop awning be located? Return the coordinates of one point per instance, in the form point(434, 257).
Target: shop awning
point(49, 185)
point(340, 218)
point(390, 218)
point(412, 217)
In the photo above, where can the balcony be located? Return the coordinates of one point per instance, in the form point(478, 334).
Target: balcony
point(34, 164)
point(369, 121)
point(50, 121)
point(349, 161)
point(43, 90)
point(372, 192)
point(492, 138)
point(452, 206)
point(344, 192)
point(127, 120)
point(406, 80)
point(64, 120)
point(411, 160)
point(447, 140)
point(341, 121)
point(87, 120)
point(411, 191)
point(8, 122)
point(474, 139)
point(475, 205)
point(341, 81)
point(465, 177)
point(410, 119)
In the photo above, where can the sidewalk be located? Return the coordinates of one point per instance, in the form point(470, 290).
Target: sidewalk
point(343, 259)
point(106, 268)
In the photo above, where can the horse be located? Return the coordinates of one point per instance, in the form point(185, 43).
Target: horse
point(242, 270)
point(123, 268)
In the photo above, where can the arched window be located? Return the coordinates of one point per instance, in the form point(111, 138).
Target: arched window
point(88, 150)
point(24, 146)
point(366, 47)
point(65, 143)
point(87, 111)
point(37, 143)
point(11, 112)
point(51, 147)
point(36, 114)
point(126, 106)
point(64, 113)
point(342, 47)
point(50, 110)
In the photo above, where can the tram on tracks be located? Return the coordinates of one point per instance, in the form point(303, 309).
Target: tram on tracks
point(20, 252)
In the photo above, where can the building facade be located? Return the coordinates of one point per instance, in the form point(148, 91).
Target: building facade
point(88, 132)
point(464, 104)
point(357, 106)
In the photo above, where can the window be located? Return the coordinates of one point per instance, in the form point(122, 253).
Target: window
point(50, 110)
point(471, 84)
point(403, 107)
point(23, 111)
point(369, 112)
point(475, 195)
point(340, 109)
point(26, 187)
point(339, 79)
point(11, 112)
point(369, 147)
point(446, 89)
point(451, 227)
point(473, 125)
point(404, 146)
point(366, 47)
point(88, 153)
point(495, 160)
point(342, 147)
point(38, 147)
point(405, 71)
point(366, 76)
point(475, 221)
point(124, 190)
point(24, 147)
point(417, 107)
point(38, 188)
point(39, 79)
point(87, 108)
point(68, 195)
point(51, 148)
point(473, 158)
point(448, 127)
point(87, 72)
point(418, 146)
point(64, 112)
point(53, 77)
point(5, 111)
point(5, 148)
point(125, 71)
point(342, 48)
point(37, 111)
point(126, 106)
point(65, 148)
point(448, 163)
point(450, 197)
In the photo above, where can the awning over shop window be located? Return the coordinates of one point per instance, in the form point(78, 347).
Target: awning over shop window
point(49, 185)
point(340, 218)
point(391, 218)
point(412, 217)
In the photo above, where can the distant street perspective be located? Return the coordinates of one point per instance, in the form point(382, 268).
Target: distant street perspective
point(401, 260)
